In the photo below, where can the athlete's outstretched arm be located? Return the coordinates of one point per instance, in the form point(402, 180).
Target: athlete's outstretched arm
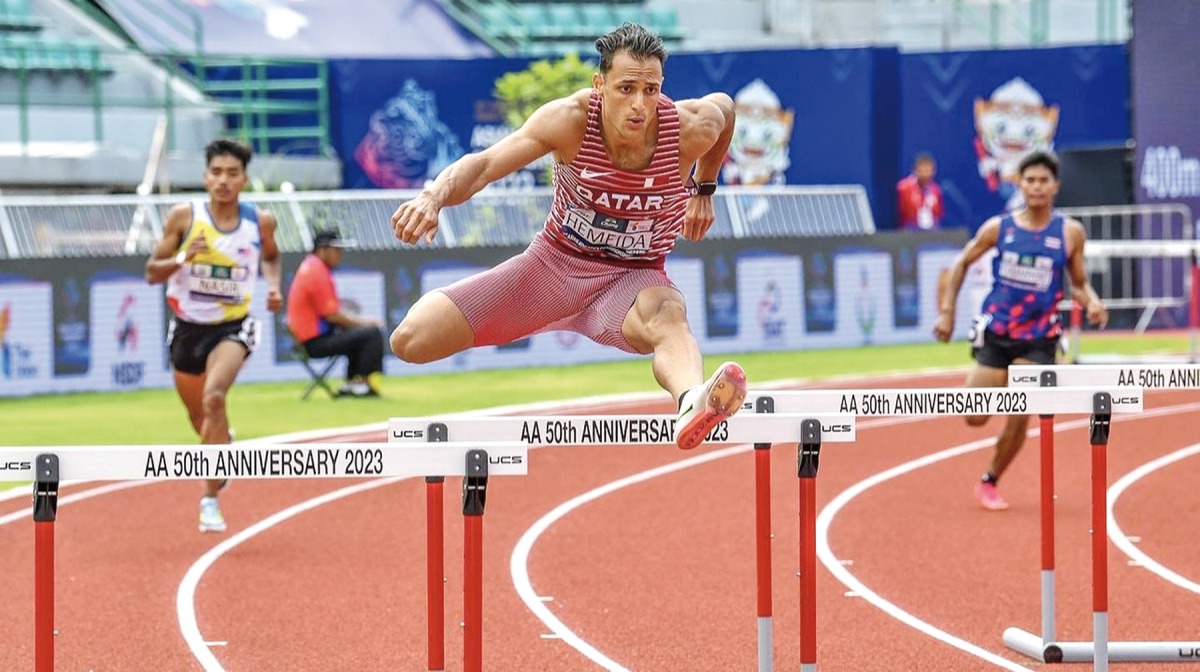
point(706, 130)
point(552, 127)
point(709, 164)
point(984, 240)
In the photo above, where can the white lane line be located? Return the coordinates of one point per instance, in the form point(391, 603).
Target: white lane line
point(1126, 544)
point(859, 589)
point(519, 560)
point(185, 596)
point(518, 563)
point(835, 566)
point(27, 514)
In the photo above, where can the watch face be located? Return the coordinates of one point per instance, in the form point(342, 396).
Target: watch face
point(706, 188)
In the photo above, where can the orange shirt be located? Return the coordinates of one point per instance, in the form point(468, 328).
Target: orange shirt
point(311, 297)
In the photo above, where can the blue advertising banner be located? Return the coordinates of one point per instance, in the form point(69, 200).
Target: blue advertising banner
point(979, 113)
point(1166, 52)
point(742, 295)
point(398, 123)
point(836, 116)
point(804, 117)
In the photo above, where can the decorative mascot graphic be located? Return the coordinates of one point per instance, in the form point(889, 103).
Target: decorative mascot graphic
point(406, 143)
point(758, 152)
point(1014, 122)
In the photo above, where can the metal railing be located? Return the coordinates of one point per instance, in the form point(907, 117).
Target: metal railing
point(274, 104)
point(117, 225)
point(1139, 260)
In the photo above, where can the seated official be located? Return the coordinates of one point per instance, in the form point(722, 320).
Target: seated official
point(317, 320)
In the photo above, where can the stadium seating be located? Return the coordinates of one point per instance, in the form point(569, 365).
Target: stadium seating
point(15, 15)
point(554, 27)
point(27, 43)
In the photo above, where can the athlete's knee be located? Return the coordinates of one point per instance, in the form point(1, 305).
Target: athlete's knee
point(416, 344)
point(213, 402)
point(405, 343)
point(977, 420)
point(667, 315)
point(434, 328)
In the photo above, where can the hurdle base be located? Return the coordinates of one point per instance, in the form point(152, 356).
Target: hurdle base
point(1031, 645)
point(766, 647)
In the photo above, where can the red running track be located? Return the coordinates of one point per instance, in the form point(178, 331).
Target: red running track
point(658, 575)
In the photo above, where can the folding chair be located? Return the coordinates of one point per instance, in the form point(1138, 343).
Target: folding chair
point(318, 371)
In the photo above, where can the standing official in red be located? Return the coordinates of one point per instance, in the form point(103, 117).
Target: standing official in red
point(632, 171)
point(919, 198)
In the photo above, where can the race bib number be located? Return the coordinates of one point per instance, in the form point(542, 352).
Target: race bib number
point(1034, 272)
point(212, 283)
point(620, 237)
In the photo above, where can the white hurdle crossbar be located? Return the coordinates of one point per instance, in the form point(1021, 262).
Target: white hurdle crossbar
point(761, 429)
point(1045, 647)
point(950, 401)
point(617, 430)
point(48, 466)
point(249, 461)
point(1100, 402)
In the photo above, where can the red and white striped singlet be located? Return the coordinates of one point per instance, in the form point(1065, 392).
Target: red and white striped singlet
point(601, 211)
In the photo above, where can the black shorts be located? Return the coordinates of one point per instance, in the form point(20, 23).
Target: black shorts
point(999, 352)
point(190, 343)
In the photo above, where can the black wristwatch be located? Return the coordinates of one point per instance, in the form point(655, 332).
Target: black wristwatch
point(706, 188)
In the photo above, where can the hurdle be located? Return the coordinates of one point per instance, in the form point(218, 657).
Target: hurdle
point(1045, 647)
point(48, 466)
point(1098, 401)
point(602, 430)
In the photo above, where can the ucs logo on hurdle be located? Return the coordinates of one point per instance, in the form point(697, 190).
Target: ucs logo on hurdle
point(16, 466)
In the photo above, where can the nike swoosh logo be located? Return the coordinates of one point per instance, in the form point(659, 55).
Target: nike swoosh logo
point(591, 175)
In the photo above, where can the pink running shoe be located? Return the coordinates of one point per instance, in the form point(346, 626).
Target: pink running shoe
point(709, 403)
point(989, 497)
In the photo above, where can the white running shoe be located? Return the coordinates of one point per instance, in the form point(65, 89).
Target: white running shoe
point(211, 519)
point(709, 403)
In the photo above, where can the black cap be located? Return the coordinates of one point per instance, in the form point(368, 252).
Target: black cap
point(331, 238)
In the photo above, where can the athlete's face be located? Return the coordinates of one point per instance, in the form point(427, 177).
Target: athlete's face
point(224, 178)
point(1039, 187)
point(630, 91)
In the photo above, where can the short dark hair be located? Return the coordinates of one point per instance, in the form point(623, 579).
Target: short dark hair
point(228, 147)
point(1039, 158)
point(632, 38)
point(923, 157)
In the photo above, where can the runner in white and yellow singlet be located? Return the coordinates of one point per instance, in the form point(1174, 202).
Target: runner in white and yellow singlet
point(209, 256)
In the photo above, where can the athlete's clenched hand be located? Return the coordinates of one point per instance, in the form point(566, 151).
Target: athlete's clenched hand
point(697, 217)
point(416, 219)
